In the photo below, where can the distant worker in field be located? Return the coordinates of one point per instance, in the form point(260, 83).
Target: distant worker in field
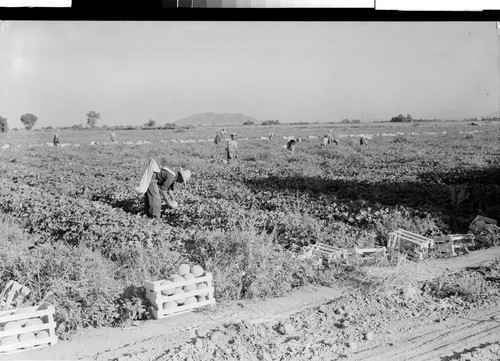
point(232, 148)
point(157, 183)
point(220, 136)
point(56, 138)
point(272, 136)
point(291, 144)
point(363, 141)
point(112, 135)
point(331, 138)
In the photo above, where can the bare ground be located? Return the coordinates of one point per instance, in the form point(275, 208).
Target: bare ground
point(313, 323)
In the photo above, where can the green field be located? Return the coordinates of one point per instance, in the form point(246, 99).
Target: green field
point(73, 222)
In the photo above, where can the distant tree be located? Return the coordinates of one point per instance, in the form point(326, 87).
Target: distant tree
point(345, 121)
point(77, 126)
point(409, 118)
point(104, 126)
point(92, 118)
point(271, 122)
point(249, 122)
point(4, 127)
point(355, 121)
point(170, 126)
point(150, 123)
point(399, 118)
point(28, 120)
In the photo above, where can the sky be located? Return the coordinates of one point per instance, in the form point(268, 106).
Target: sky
point(134, 71)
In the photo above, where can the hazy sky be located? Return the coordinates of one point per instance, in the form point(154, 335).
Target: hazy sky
point(130, 72)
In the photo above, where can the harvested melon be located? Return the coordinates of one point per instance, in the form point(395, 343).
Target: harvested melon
point(190, 300)
point(34, 322)
point(189, 288)
point(168, 291)
point(42, 334)
point(168, 305)
point(9, 340)
point(188, 277)
point(197, 271)
point(176, 278)
point(480, 225)
point(203, 286)
point(183, 269)
point(29, 336)
point(12, 325)
point(179, 291)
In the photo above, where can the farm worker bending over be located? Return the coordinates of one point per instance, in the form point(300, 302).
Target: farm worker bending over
point(56, 138)
point(291, 144)
point(363, 141)
point(155, 182)
point(232, 148)
point(112, 135)
point(331, 138)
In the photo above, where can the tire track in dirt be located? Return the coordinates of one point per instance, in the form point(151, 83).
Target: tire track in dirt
point(442, 340)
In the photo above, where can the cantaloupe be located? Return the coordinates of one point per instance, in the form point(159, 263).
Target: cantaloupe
point(203, 286)
point(169, 304)
point(190, 300)
point(183, 269)
point(179, 291)
point(29, 336)
point(9, 340)
point(168, 291)
point(176, 278)
point(42, 334)
point(34, 322)
point(12, 325)
point(190, 288)
point(480, 225)
point(188, 276)
point(197, 271)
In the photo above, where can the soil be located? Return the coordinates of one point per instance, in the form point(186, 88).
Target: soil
point(369, 320)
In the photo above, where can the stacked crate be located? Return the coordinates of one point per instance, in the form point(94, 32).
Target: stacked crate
point(180, 294)
point(27, 328)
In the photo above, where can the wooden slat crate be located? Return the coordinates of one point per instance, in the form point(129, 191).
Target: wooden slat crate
point(473, 226)
point(449, 243)
point(43, 312)
point(157, 299)
point(330, 252)
point(13, 294)
point(415, 245)
point(364, 252)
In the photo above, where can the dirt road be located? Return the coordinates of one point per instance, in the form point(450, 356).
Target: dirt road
point(313, 315)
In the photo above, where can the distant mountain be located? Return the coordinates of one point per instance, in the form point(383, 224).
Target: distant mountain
point(493, 114)
point(215, 119)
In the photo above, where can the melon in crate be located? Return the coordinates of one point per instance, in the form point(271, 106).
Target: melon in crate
point(187, 295)
point(27, 328)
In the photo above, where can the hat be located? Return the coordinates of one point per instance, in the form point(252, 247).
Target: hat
point(185, 175)
point(233, 135)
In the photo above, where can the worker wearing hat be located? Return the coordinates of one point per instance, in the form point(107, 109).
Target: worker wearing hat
point(166, 180)
point(157, 183)
point(232, 148)
point(56, 138)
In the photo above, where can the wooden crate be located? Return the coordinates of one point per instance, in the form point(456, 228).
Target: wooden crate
point(154, 295)
point(330, 252)
point(415, 245)
point(451, 242)
point(369, 252)
point(44, 311)
point(474, 228)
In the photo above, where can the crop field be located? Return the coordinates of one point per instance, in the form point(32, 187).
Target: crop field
point(73, 224)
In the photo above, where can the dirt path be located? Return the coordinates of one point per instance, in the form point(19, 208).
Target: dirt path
point(436, 341)
point(414, 339)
